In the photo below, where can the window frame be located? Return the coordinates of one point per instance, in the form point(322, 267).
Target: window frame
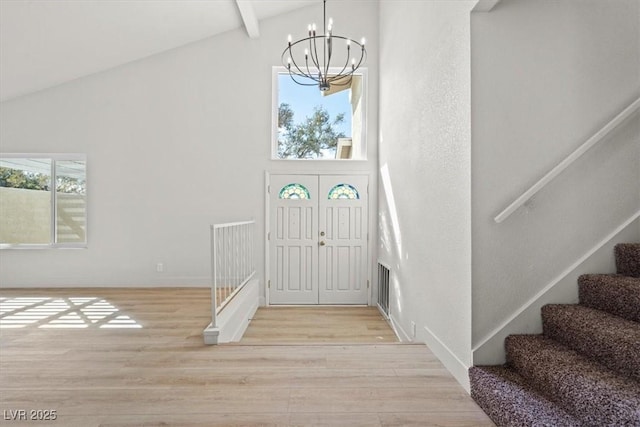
point(54, 157)
point(275, 71)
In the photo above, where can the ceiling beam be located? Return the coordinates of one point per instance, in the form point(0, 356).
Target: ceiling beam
point(249, 18)
point(485, 5)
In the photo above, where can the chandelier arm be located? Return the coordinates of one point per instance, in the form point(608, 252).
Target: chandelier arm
point(363, 52)
point(307, 76)
point(328, 58)
point(308, 70)
point(301, 84)
point(300, 72)
point(345, 64)
point(362, 57)
point(314, 59)
point(315, 48)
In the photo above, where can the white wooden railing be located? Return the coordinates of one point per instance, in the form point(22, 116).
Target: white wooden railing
point(597, 137)
point(232, 262)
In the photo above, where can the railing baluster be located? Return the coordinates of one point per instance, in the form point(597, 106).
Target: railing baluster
point(232, 261)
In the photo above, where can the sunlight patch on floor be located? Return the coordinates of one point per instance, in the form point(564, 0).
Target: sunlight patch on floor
point(62, 313)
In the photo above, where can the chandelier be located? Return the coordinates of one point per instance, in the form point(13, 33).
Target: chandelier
point(310, 58)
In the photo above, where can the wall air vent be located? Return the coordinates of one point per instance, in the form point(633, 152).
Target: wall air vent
point(383, 288)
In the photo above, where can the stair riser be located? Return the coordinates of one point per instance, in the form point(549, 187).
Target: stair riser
point(619, 296)
point(628, 259)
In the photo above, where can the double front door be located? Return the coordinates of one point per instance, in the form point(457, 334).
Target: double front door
point(318, 239)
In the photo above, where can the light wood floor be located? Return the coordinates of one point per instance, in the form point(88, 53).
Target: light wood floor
point(156, 370)
point(308, 325)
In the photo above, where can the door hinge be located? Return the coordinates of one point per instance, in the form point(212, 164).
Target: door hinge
point(367, 284)
point(269, 284)
point(269, 189)
point(269, 235)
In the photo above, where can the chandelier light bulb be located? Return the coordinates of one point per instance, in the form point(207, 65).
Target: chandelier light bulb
point(348, 42)
point(362, 42)
point(306, 53)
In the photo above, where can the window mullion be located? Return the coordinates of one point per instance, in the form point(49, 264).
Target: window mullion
point(54, 203)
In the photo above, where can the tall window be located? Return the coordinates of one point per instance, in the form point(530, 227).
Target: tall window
point(312, 125)
point(43, 200)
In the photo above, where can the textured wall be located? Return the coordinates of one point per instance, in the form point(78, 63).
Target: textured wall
point(546, 75)
point(425, 200)
point(174, 142)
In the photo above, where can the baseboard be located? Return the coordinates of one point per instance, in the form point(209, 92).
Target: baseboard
point(454, 365)
point(385, 315)
point(397, 329)
point(562, 290)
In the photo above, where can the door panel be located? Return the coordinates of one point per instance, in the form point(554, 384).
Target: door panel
point(293, 241)
point(343, 256)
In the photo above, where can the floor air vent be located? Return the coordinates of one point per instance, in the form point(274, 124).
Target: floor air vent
point(383, 288)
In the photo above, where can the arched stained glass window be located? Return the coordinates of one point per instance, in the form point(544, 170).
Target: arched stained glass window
point(343, 191)
point(294, 191)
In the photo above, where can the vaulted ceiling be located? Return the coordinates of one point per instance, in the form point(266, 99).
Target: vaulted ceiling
point(44, 43)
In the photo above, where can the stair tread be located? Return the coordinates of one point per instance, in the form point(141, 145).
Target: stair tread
point(609, 339)
point(510, 401)
point(613, 293)
point(584, 388)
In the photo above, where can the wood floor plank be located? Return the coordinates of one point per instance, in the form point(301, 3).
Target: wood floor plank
point(298, 368)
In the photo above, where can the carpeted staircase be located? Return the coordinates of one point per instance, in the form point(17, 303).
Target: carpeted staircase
point(584, 370)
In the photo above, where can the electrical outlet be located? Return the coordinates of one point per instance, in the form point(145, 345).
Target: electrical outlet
point(413, 329)
point(160, 267)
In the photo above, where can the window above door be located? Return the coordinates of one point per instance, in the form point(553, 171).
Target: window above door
point(308, 124)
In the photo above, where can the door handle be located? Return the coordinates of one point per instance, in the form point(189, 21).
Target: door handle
point(322, 243)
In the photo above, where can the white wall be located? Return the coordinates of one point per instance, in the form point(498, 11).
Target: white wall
point(424, 193)
point(546, 75)
point(174, 142)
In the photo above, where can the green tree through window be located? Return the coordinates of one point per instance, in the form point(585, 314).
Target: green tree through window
point(307, 140)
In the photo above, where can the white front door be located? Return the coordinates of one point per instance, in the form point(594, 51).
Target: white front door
point(343, 239)
point(318, 239)
point(293, 239)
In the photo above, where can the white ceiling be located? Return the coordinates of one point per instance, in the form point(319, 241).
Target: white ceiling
point(44, 43)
